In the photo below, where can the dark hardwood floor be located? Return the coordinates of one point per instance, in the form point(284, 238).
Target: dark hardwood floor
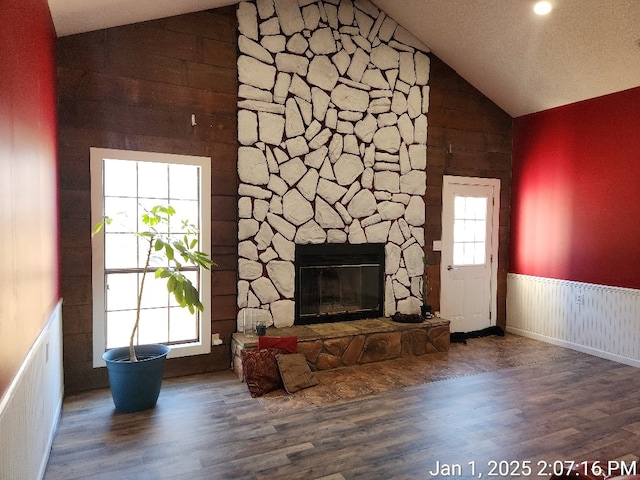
point(495, 399)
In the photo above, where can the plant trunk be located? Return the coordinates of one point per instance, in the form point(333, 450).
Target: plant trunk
point(132, 351)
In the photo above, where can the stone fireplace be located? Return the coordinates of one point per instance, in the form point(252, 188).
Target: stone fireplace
point(332, 128)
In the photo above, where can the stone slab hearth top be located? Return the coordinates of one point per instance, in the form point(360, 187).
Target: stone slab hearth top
point(340, 329)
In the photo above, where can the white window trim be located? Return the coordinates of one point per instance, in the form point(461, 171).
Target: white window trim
point(97, 197)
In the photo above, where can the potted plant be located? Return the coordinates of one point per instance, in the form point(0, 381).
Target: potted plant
point(135, 372)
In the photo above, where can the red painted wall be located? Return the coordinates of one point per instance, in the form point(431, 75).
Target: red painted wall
point(576, 192)
point(28, 198)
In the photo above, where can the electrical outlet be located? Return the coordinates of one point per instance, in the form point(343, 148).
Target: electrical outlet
point(579, 298)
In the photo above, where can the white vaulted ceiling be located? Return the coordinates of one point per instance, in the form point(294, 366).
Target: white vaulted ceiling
point(522, 62)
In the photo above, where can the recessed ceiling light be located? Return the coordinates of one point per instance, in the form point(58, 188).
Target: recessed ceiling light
point(542, 7)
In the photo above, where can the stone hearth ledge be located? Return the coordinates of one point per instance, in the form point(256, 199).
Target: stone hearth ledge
point(342, 344)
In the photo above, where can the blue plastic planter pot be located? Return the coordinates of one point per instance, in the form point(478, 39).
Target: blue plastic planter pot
point(135, 386)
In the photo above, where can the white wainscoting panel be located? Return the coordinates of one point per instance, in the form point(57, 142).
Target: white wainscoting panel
point(595, 319)
point(30, 407)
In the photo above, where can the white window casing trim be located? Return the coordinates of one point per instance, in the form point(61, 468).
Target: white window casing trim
point(97, 156)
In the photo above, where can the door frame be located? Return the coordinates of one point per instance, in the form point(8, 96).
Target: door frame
point(448, 181)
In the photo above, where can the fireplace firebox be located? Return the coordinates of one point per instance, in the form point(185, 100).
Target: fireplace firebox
point(338, 282)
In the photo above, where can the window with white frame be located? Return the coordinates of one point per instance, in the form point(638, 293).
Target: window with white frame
point(123, 185)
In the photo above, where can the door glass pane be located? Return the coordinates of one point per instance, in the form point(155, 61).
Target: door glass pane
point(469, 230)
point(476, 207)
point(479, 253)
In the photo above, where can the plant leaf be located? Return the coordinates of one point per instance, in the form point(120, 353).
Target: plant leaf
point(171, 284)
point(179, 295)
point(97, 229)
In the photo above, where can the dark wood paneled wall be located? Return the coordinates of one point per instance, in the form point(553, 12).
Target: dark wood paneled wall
point(480, 135)
point(135, 87)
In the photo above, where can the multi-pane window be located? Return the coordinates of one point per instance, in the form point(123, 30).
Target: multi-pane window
point(124, 185)
point(469, 230)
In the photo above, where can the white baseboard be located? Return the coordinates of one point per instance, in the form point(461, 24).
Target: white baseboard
point(574, 346)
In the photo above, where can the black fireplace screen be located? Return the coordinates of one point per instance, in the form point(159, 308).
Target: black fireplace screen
point(338, 282)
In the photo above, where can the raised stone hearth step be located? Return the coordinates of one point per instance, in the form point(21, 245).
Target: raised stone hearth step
point(342, 344)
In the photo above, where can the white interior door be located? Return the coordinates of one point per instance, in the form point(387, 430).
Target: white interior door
point(468, 294)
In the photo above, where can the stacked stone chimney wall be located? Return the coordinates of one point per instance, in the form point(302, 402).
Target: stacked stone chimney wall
point(332, 130)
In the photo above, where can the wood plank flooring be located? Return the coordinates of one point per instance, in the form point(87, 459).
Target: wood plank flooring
point(494, 399)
